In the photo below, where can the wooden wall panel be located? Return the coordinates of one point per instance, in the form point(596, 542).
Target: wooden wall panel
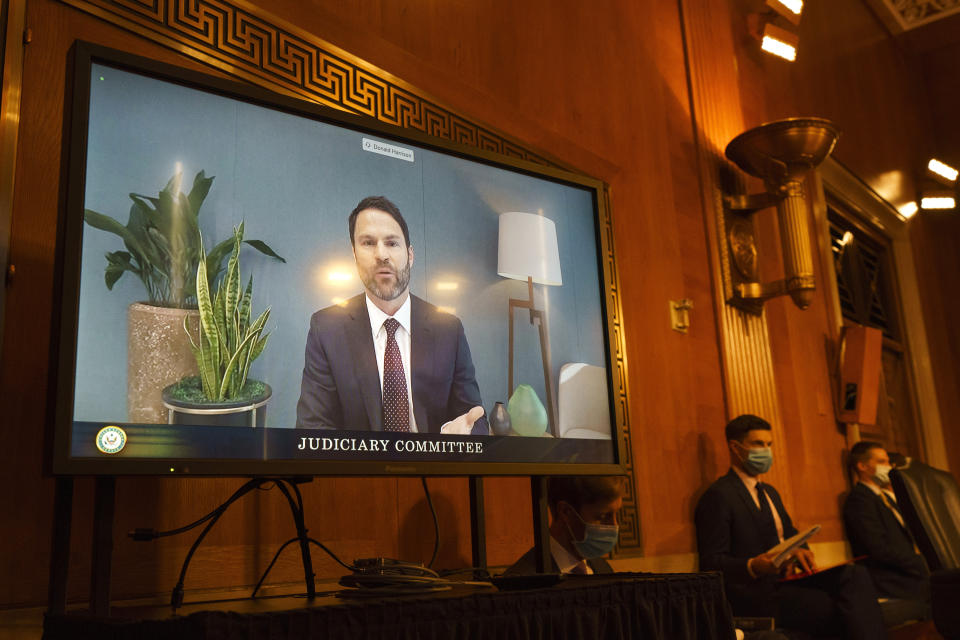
point(851, 71)
point(937, 235)
point(602, 90)
point(591, 89)
point(935, 239)
point(605, 92)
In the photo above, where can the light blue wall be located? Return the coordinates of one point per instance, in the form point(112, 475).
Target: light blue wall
point(294, 181)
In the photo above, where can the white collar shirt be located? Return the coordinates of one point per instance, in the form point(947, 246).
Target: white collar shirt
point(565, 560)
point(403, 337)
point(888, 497)
point(750, 482)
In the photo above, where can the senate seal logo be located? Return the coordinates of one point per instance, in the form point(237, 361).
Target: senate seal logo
point(111, 439)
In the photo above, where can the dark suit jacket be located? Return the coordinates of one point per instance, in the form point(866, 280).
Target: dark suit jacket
point(527, 565)
point(874, 531)
point(728, 534)
point(341, 382)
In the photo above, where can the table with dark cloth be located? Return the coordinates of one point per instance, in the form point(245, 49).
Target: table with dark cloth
point(613, 607)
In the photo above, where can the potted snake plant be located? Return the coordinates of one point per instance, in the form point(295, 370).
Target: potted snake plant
point(228, 342)
point(162, 249)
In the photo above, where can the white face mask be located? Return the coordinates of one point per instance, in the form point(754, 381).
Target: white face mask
point(882, 474)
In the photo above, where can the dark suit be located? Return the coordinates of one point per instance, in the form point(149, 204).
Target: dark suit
point(527, 564)
point(341, 381)
point(731, 530)
point(874, 531)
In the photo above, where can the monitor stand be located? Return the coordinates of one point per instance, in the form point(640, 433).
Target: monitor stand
point(541, 528)
point(478, 534)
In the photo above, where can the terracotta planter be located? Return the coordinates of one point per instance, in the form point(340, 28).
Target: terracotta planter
point(158, 354)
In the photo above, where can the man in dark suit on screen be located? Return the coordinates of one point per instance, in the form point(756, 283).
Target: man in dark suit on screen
point(739, 518)
point(876, 529)
point(386, 360)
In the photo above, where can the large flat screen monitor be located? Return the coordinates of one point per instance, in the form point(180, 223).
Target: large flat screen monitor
point(183, 350)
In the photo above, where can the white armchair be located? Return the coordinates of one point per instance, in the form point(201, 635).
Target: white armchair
point(583, 402)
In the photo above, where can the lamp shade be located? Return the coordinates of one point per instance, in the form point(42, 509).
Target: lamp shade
point(528, 248)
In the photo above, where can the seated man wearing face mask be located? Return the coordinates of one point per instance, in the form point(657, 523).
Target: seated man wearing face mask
point(739, 518)
point(583, 525)
point(876, 529)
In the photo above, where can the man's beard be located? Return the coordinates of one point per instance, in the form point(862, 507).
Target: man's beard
point(388, 292)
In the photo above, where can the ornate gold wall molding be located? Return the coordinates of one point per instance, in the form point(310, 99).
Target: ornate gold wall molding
point(917, 11)
point(248, 43)
point(903, 15)
point(630, 531)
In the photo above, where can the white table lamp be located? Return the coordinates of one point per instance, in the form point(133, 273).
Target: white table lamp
point(528, 251)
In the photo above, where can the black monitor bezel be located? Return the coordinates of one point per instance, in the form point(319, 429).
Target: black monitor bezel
point(66, 297)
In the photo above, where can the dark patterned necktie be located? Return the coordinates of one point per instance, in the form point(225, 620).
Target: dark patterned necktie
point(768, 526)
point(396, 406)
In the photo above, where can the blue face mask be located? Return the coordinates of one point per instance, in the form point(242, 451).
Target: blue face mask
point(758, 460)
point(598, 539)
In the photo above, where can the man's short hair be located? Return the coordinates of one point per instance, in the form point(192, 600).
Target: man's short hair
point(860, 452)
point(578, 491)
point(379, 203)
point(738, 428)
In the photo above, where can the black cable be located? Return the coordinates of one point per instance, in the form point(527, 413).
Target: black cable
point(299, 520)
point(145, 534)
point(436, 522)
point(176, 597)
point(263, 577)
point(332, 555)
point(481, 573)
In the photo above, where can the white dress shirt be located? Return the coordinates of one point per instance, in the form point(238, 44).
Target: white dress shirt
point(889, 498)
point(750, 482)
point(565, 560)
point(377, 318)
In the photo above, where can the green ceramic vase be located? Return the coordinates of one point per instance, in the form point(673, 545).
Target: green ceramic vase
point(527, 415)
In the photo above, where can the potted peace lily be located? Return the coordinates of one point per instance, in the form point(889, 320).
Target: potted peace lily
point(228, 343)
point(162, 248)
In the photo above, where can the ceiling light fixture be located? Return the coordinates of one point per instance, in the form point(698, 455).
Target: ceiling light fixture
point(779, 42)
point(942, 169)
point(789, 9)
point(939, 202)
point(909, 209)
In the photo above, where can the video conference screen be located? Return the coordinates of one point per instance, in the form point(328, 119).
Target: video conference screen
point(224, 313)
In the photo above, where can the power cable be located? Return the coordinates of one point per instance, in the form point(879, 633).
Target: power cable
point(436, 522)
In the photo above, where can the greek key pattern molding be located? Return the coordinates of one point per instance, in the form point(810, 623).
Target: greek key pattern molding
point(248, 43)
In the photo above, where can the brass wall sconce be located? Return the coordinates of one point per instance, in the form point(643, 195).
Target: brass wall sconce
point(781, 153)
